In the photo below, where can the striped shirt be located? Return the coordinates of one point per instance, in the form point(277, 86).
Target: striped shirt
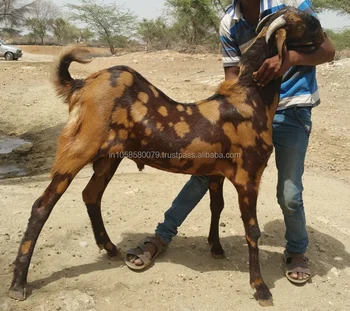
point(299, 86)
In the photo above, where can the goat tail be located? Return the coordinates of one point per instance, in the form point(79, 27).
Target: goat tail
point(62, 80)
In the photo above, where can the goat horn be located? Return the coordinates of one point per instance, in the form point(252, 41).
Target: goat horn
point(278, 23)
point(262, 23)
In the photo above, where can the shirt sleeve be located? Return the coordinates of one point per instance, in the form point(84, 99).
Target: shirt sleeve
point(304, 5)
point(231, 53)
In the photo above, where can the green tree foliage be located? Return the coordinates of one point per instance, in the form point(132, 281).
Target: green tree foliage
point(336, 5)
point(86, 34)
point(33, 25)
point(43, 14)
point(60, 29)
point(340, 40)
point(155, 32)
point(65, 32)
point(196, 21)
point(110, 22)
point(13, 12)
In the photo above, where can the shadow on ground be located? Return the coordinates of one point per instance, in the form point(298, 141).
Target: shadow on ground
point(198, 258)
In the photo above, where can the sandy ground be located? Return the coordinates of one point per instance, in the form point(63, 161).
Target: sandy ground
point(69, 273)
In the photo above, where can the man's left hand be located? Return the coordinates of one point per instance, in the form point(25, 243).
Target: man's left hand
point(270, 70)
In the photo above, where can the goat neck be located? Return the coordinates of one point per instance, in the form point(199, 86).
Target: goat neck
point(251, 61)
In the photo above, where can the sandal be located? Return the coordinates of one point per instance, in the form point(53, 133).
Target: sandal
point(142, 252)
point(297, 263)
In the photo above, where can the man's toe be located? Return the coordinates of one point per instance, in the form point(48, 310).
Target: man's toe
point(294, 275)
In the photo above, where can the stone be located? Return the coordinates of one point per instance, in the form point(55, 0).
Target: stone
point(23, 149)
point(335, 272)
point(83, 244)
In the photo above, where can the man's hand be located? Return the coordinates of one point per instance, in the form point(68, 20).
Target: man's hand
point(270, 70)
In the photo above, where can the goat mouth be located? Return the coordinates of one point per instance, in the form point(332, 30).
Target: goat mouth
point(306, 47)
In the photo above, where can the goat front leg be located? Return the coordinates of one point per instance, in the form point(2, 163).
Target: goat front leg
point(216, 207)
point(104, 170)
point(41, 211)
point(247, 197)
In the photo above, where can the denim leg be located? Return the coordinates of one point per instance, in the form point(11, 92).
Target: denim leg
point(184, 203)
point(291, 129)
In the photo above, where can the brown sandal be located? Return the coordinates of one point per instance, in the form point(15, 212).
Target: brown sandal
point(142, 252)
point(297, 263)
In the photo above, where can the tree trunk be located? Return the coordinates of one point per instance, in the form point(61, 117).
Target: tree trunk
point(111, 48)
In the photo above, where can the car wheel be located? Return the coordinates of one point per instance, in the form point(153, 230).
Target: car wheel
point(15, 59)
point(9, 56)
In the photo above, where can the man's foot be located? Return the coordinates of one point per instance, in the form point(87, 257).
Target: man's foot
point(144, 254)
point(297, 268)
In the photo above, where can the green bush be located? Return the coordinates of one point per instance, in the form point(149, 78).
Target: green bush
point(340, 40)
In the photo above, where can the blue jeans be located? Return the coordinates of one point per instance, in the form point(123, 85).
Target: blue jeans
point(291, 130)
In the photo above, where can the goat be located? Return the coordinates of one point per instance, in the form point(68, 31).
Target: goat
point(116, 111)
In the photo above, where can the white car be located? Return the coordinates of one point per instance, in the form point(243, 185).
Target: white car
point(9, 52)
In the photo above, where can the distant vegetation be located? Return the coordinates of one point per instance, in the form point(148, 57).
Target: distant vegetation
point(341, 40)
point(186, 25)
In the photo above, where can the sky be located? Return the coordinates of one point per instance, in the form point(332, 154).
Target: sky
point(154, 8)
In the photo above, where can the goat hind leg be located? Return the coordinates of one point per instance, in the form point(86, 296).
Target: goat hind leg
point(69, 161)
point(41, 211)
point(104, 169)
point(216, 207)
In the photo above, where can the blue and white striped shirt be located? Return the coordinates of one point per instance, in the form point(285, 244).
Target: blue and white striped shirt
point(299, 86)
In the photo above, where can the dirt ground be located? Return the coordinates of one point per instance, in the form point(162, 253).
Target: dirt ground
point(69, 273)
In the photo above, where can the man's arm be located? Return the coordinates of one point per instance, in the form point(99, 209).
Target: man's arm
point(269, 69)
point(325, 53)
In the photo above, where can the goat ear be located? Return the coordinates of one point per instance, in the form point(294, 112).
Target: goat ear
point(280, 36)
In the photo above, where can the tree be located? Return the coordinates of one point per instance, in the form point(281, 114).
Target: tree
point(66, 32)
point(9, 33)
point(110, 22)
point(60, 29)
point(43, 14)
point(13, 12)
point(196, 21)
point(86, 34)
point(335, 5)
point(340, 40)
point(154, 32)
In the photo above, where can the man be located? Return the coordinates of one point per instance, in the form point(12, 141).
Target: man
point(291, 130)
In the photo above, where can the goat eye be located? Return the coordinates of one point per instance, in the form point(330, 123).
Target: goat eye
point(300, 28)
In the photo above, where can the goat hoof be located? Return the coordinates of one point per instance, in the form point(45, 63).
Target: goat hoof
point(18, 293)
point(266, 303)
point(113, 254)
point(264, 298)
point(218, 252)
point(217, 255)
point(113, 258)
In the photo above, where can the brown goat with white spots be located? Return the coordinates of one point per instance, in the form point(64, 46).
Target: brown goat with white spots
point(117, 111)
